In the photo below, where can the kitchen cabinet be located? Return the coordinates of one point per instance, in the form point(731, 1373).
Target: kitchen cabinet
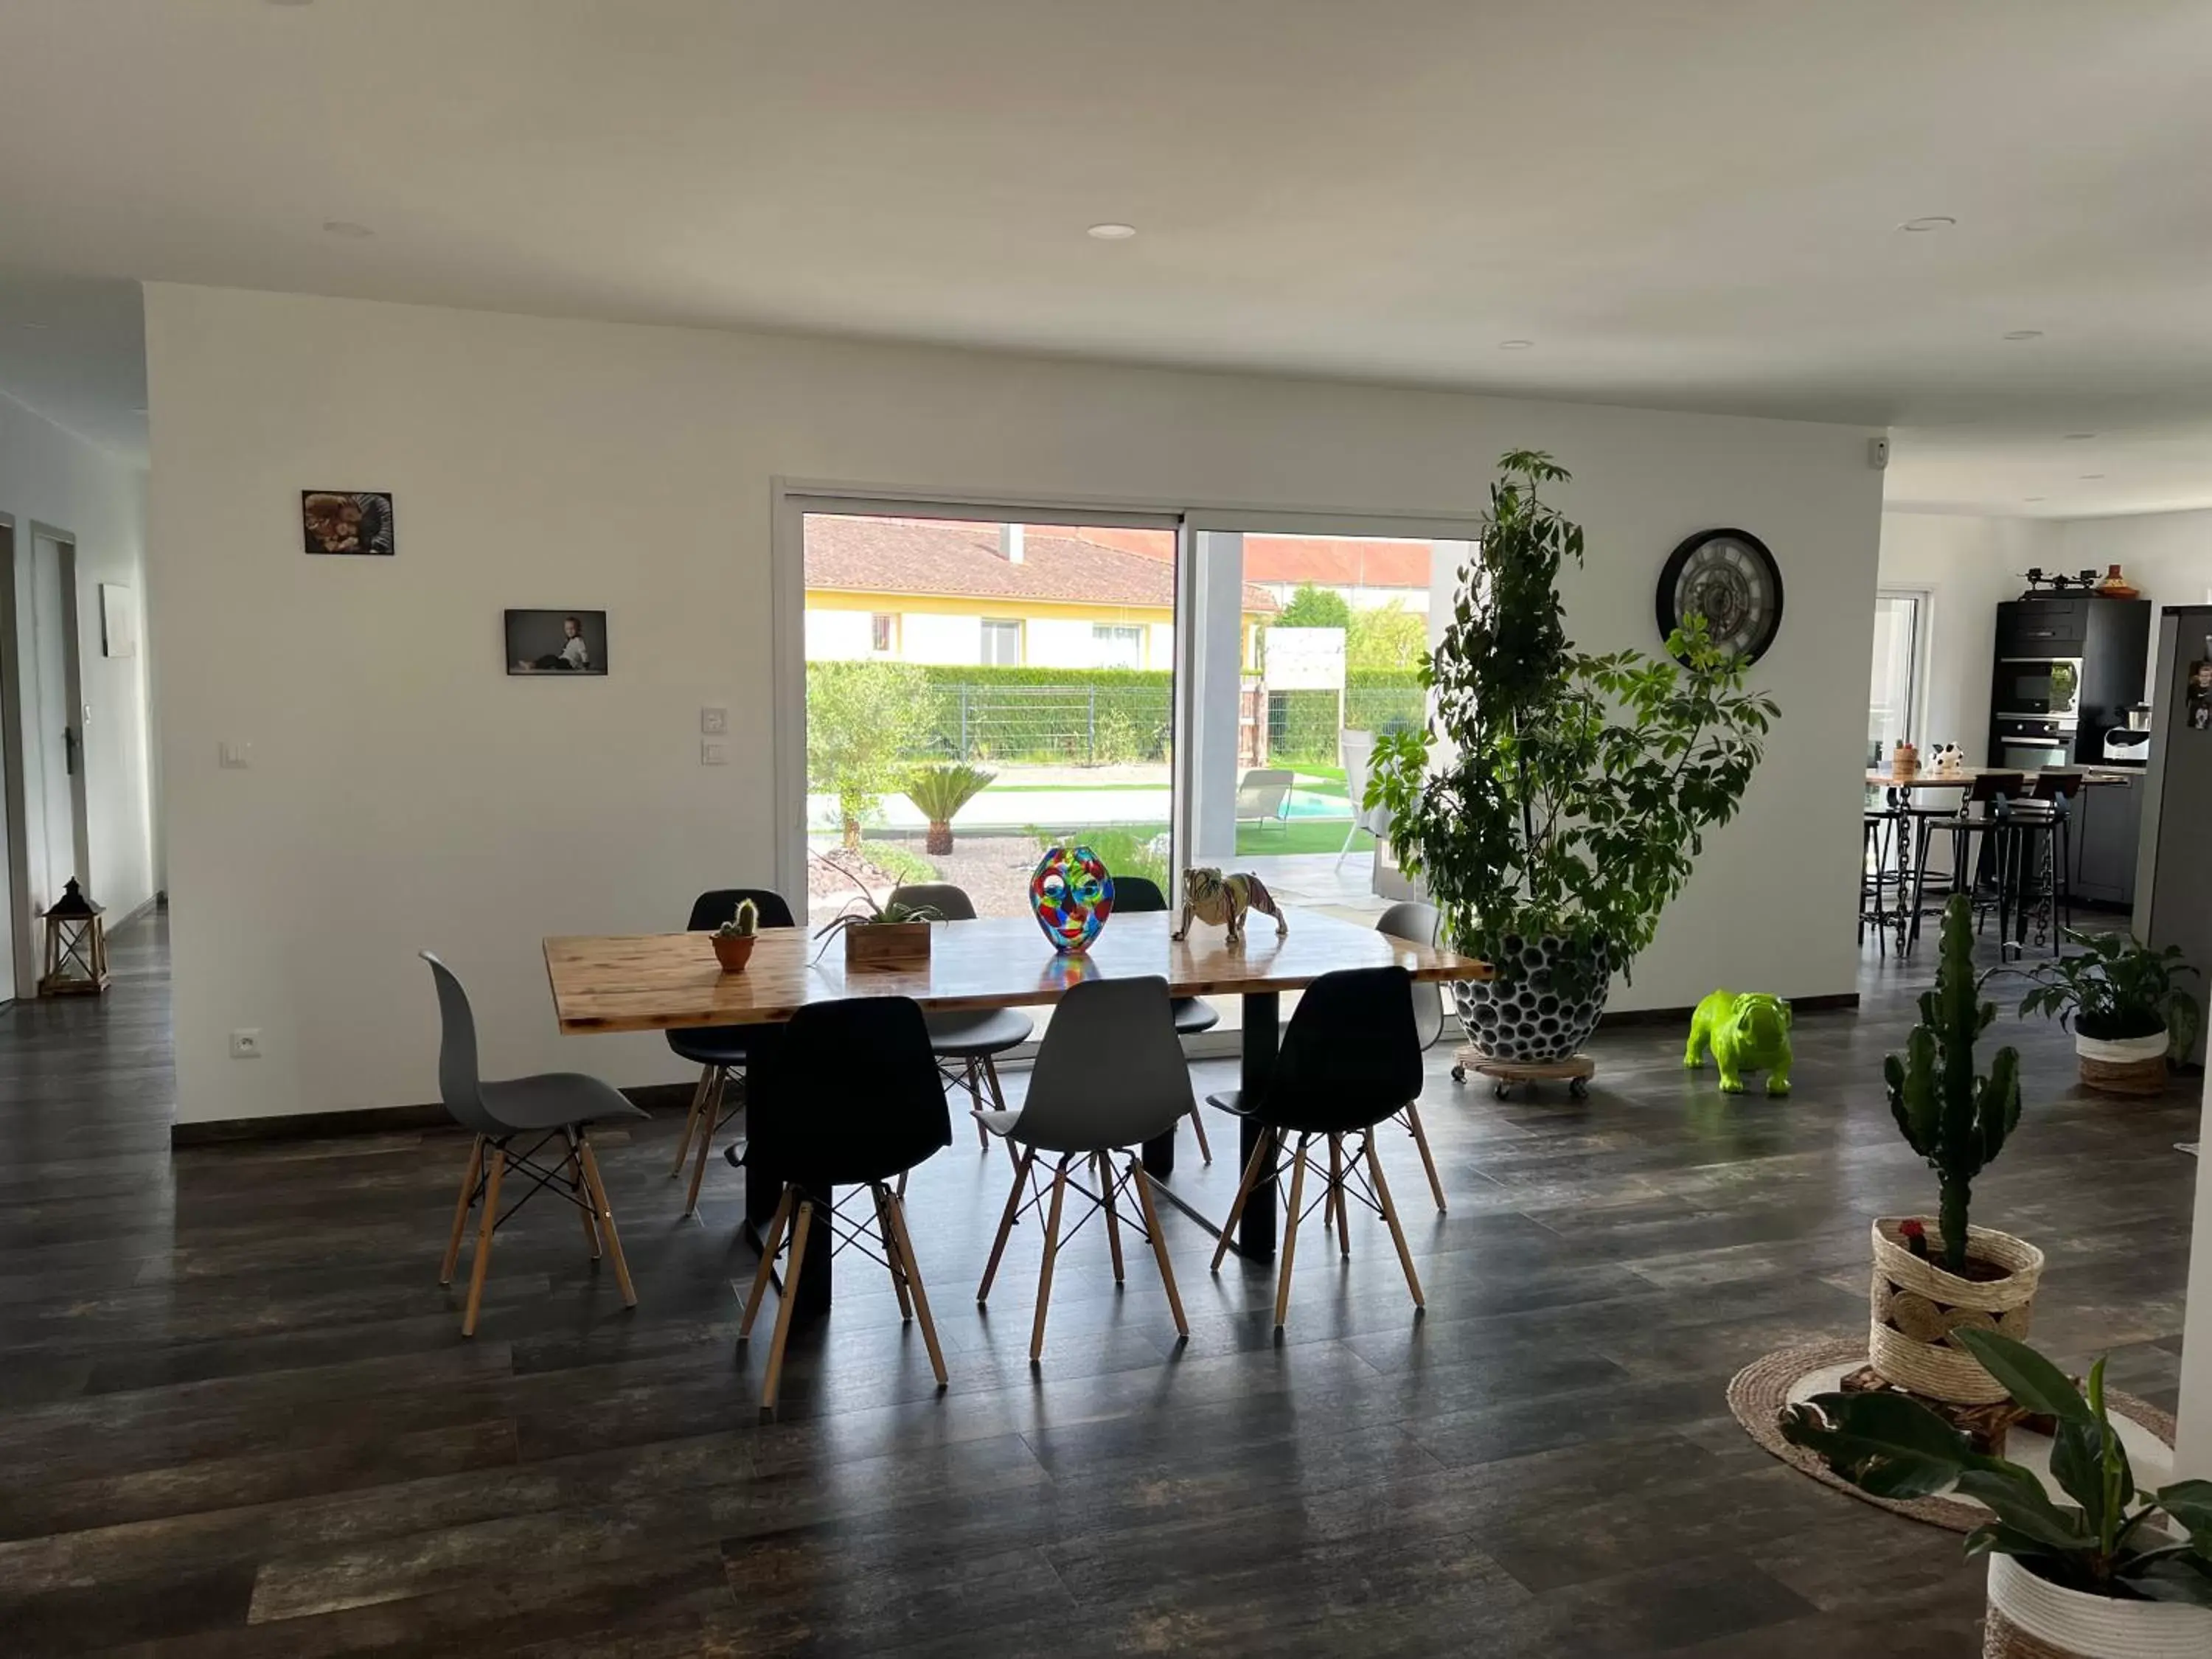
point(2107, 823)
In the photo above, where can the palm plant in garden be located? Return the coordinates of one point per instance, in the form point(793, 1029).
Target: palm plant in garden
point(939, 793)
point(1574, 790)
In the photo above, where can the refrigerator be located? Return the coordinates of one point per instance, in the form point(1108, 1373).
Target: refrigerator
point(2173, 874)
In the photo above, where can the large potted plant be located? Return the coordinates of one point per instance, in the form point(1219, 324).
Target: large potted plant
point(2119, 997)
point(1554, 800)
point(1928, 1299)
point(2119, 1573)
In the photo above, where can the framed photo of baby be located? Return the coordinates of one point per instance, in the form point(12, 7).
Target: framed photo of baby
point(346, 521)
point(556, 642)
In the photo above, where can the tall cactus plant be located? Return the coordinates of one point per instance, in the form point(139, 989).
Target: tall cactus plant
point(1957, 1121)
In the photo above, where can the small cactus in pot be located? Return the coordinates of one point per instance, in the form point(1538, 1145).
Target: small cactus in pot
point(734, 939)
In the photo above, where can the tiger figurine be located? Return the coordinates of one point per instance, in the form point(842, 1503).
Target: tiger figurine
point(1214, 898)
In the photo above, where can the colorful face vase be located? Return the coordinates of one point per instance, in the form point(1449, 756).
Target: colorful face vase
point(1072, 895)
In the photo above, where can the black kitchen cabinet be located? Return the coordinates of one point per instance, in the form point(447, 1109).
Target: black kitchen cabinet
point(2107, 821)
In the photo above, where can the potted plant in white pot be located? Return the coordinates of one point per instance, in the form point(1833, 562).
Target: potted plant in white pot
point(2119, 1573)
point(1554, 801)
point(1929, 1297)
point(2118, 997)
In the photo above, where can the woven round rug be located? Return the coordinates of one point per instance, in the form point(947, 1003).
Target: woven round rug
point(1758, 1392)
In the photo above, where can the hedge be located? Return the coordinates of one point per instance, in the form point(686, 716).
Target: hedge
point(1096, 716)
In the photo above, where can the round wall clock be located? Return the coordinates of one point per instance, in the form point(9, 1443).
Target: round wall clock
point(1728, 578)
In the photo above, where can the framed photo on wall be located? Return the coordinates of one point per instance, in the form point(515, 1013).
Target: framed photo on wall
point(569, 642)
point(346, 521)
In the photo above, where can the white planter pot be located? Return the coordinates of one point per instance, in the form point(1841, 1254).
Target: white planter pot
point(2121, 1051)
point(2030, 1617)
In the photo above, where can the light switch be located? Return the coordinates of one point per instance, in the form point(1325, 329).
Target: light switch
point(714, 754)
point(234, 757)
point(714, 721)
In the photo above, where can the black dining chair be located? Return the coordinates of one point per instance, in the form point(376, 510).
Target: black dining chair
point(1351, 1059)
point(719, 1051)
point(967, 1044)
point(1137, 895)
point(513, 1123)
point(847, 1094)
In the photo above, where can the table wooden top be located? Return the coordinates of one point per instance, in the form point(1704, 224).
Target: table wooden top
point(664, 981)
point(2092, 777)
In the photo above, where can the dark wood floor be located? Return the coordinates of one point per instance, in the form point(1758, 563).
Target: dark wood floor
point(237, 1417)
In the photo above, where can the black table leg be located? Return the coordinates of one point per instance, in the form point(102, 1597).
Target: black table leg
point(1256, 1231)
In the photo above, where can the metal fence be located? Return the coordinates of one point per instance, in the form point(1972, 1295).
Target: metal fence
point(1106, 725)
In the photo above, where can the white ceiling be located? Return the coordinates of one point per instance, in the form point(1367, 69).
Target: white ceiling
point(1688, 203)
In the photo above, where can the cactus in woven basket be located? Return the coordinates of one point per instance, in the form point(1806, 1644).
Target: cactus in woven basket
point(1955, 1120)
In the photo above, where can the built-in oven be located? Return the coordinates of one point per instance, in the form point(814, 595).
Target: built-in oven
point(2031, 745)
point(2048, 687)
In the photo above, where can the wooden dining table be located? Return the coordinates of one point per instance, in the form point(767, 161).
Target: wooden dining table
point(670, 982)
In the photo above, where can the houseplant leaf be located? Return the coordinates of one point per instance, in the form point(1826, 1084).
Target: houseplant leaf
point(2032, 1381)
point(1883, 1443)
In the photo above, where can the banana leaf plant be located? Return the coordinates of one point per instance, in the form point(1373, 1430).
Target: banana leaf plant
point(2113, 1540)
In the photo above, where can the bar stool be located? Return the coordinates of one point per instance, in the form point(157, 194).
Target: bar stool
point(973, 1042)
point(1991, 836)
point(1881, 843)
point(2044, 856)
point(719, 1051)
point(1137, 895)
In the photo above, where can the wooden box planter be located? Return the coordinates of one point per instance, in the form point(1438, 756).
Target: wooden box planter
point(1916, 1305)
point(887, 945)
point(2031, 1618)
point(2124, 1065)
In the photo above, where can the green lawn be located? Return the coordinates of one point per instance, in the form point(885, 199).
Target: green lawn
point(1310, 835)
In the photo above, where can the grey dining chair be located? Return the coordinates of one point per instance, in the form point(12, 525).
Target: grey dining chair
point(967, 1044)
point(1419, 924)
point(1137, 895)
point(1081, 1115)
point(552, 1107)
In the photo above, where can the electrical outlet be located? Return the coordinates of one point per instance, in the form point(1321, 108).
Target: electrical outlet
point(245, 1043)
point(712, 753)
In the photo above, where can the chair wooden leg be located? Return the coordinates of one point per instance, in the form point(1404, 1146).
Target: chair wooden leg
point(1022, 1163)
point(1236, 1210)
point(606, 1217)
point(1104, 1165)
point(1390, 1215)
point(1142, 1183)
point(1428, 1162)
point(769, 1240)
point(1290, 1233)
point(584, 1204)
point(1333, 1209)
point(784, 1306)
point(461, 1205)
point(1198, 1128)
point(973, 1082)
point(1051, 1249)
point(710, 1114)
point(920, 1296)
point(498, 1156)
point(691, 1121)
point(882, 1195)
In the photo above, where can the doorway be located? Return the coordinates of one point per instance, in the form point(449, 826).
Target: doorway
point(42, 754)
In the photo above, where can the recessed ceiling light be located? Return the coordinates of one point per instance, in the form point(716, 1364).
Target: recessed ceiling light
point(2087, 475)
point(2032, 498)
point(2024, 334)
point(291, 3)
point(1933, 222)
point(140, 410)
point(1514, 345)
point(347, 228)
point(1112, 231)
point(34, 327)
point(2076, 437)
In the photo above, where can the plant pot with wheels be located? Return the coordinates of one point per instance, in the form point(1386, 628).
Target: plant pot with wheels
point(2104, 1569)
point(2032, 1618)
point(1554, 802)
point(1546, 1001)
point(2120, 998)
point(1936, 1281)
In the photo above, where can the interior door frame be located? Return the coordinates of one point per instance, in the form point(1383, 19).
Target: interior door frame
point(72, 644)
point(11, 770)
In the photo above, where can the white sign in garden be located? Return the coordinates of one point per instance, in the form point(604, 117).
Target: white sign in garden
point(1304, 659)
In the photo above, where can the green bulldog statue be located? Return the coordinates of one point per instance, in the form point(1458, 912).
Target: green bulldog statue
point(1746, 1033)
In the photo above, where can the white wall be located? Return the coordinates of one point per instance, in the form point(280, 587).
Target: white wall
point(1969, 566)
point(404, 792)
point(2167, 555)
point(932, 637)
point(61, 482)
point(843, 635)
